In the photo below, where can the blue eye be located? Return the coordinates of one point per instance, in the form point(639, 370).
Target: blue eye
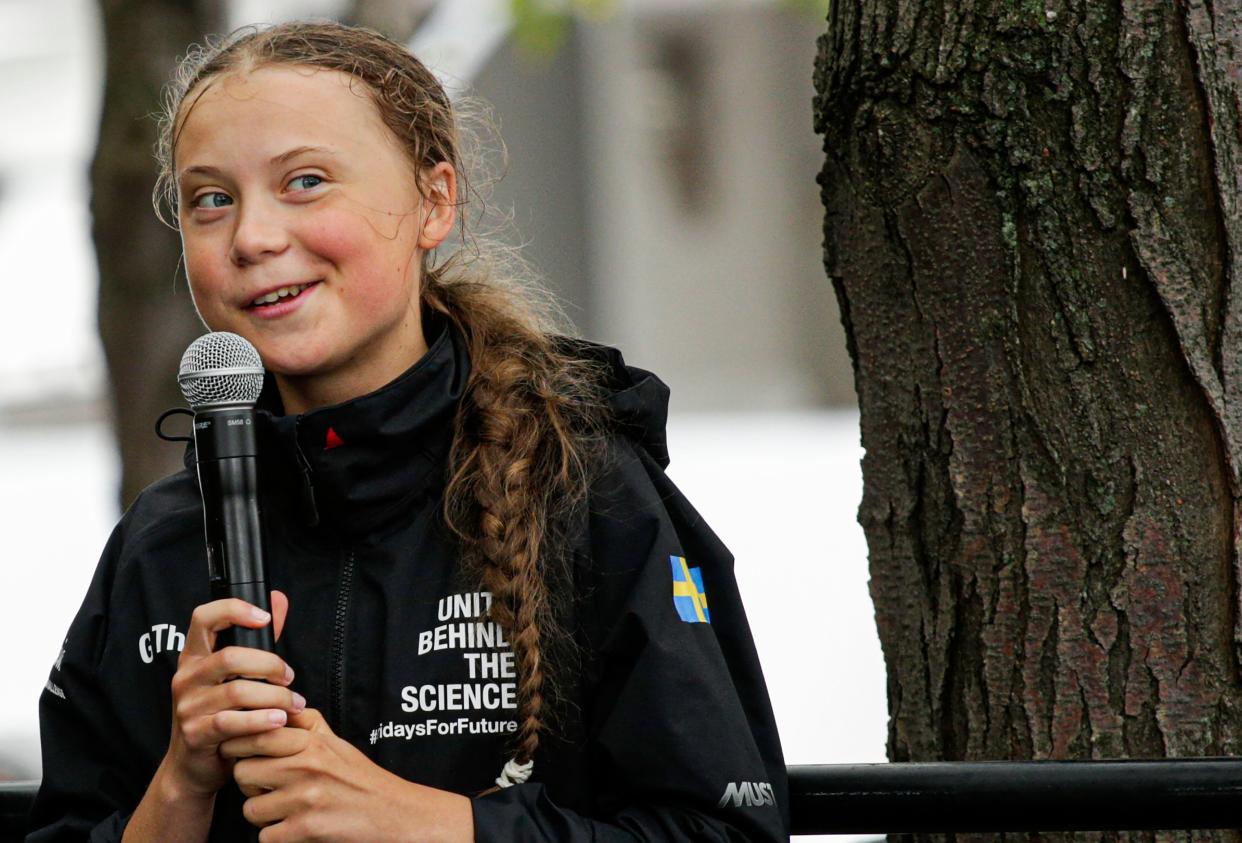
point(197, 202)
point(316, 179)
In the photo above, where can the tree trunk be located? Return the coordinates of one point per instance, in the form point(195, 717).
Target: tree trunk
point(1032, 228)
point(146, 318)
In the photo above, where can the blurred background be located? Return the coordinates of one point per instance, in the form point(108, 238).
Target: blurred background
point(660, 173)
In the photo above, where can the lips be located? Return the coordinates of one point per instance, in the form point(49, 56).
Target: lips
point(280, 294)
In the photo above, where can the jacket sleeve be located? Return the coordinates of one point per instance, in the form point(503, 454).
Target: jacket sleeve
point(87, 791)
point(679, 732)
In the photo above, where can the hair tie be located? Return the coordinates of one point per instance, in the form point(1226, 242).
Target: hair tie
point(515, 773)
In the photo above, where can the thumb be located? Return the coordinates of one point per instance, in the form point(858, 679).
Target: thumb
point(311, 720)
point(280, 609)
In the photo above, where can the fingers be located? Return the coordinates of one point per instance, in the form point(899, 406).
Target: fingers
point(245, 694)
point(310, 719)
point(280, 610)
point(207, 710)
point(235, 708)
point(277, 743)
point(248, 662)
point(242, 696)
point(196, 679)
point(210, 618)
point(226, 725)
point(276, 778)
point(265, 807)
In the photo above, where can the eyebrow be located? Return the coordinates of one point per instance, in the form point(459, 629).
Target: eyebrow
point(279, 159)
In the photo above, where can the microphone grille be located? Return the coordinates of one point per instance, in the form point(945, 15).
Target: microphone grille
point(220, 368)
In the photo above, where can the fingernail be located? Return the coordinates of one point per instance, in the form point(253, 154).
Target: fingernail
point(260, 615)
point(299, 701)
point(288, 674)
point(277, 717)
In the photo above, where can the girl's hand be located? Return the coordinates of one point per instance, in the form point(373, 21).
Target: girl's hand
point(305, 783)
point(208, 710)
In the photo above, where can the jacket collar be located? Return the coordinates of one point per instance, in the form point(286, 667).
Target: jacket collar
point(356, 466)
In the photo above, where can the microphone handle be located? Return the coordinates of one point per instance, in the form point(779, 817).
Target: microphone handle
point(255, 593)
point(226, 449)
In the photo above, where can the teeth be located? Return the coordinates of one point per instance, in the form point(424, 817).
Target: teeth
point(277, 295)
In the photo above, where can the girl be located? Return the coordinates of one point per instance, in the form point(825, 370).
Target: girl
point(492, 605)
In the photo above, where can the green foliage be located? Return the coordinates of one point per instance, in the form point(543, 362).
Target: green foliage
point(817, 9)
point(540, 27)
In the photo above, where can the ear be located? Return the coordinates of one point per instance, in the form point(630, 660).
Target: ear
point(440, 205)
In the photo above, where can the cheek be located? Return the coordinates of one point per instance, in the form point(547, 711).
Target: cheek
point(332, 244)
point(339, 237)
point(374, 267)
point(205, 282)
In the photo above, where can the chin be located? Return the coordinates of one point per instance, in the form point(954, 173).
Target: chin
point(294, 370)
point(292, 363)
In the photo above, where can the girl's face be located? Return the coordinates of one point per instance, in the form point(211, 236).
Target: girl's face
point(303, 229)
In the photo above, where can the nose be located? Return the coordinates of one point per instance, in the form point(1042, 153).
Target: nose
point(260, 233)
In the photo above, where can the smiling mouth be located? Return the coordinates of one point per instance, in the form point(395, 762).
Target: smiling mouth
point(292, 291)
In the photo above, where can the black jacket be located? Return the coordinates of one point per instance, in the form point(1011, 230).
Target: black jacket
point(667, 735)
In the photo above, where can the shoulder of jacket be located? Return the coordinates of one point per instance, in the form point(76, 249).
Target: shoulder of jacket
point(167, 509)
point(632, 496)
point(627, 478)
point(627, 506)
point(157, 531)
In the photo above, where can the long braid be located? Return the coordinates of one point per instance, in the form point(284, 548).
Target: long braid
point(518, 467)
point(511, 535)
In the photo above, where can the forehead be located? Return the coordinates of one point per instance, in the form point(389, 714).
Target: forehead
point(283, 105)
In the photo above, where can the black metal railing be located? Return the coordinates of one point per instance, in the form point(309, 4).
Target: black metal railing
point(986, 796)
point(15, 799)
point(994, 796)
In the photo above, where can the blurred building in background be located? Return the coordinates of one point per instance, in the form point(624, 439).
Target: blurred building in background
point(663, 169)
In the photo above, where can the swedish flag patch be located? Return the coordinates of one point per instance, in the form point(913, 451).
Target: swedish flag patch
point(689, 596)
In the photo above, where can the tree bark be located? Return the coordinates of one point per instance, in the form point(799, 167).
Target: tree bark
point(146, 317)
point(1032, 225)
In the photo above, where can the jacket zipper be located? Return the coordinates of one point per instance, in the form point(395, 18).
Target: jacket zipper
point(340, 627)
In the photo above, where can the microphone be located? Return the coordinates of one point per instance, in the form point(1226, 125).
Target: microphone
point(221, 376)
